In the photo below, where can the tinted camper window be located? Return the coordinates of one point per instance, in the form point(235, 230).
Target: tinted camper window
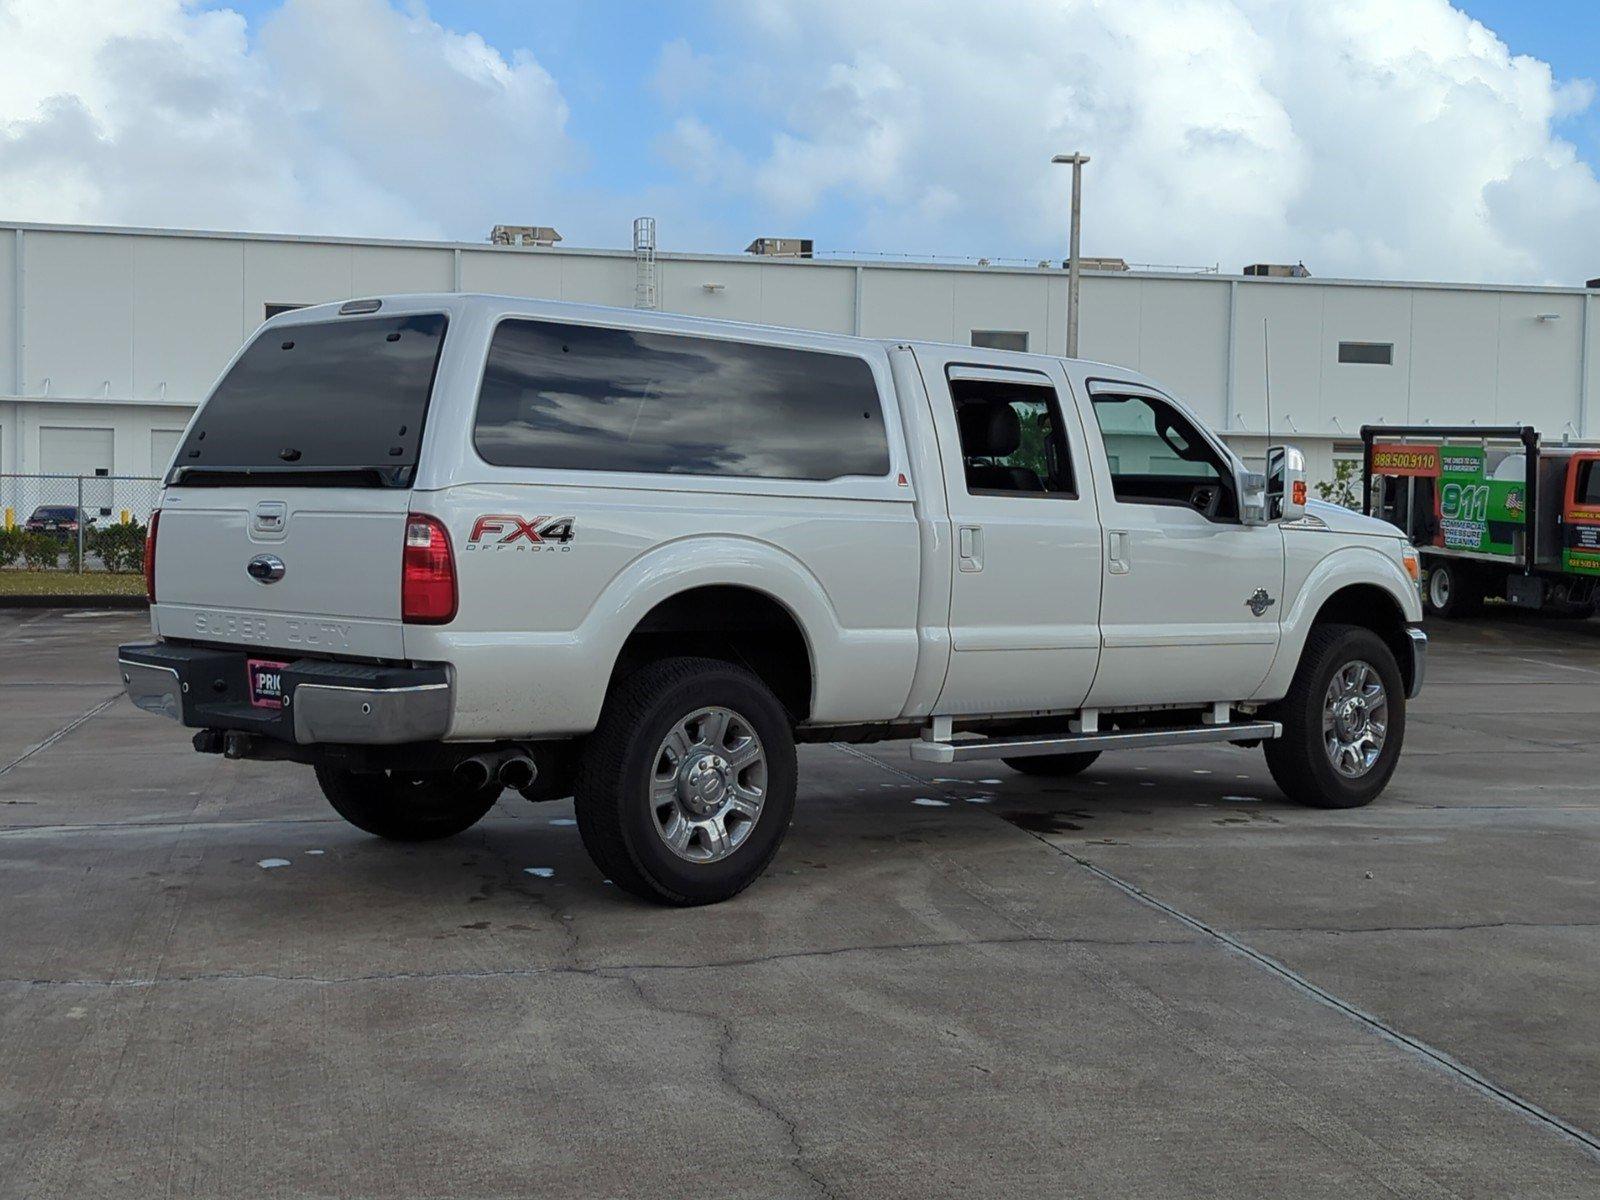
point(577, 397)
point(335, 396)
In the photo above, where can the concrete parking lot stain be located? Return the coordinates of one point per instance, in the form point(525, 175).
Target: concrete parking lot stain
point(1046, 822)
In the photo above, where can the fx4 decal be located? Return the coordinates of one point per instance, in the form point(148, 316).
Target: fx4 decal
point(503, 531)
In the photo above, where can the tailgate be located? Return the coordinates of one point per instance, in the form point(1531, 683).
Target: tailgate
point(303, 570)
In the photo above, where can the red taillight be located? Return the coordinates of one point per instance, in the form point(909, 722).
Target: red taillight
point(428, 573)
point(150, 557)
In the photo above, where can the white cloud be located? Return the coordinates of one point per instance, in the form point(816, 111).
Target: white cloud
point(344, 116)
point(1369, 137)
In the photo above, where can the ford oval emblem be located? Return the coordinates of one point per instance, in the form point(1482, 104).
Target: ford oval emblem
point(265, 568)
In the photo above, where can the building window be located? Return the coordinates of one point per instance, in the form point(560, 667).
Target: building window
point(1379, 354)
point(1000, 339)
point(274, 310)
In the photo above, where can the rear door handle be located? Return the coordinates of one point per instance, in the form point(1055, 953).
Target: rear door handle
point(971, 547)
point(1117, 562)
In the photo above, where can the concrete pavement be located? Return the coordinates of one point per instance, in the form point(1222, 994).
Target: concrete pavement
point(1157, 979)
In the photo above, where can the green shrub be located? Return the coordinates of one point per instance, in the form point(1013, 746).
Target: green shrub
point(120, 546)
point(40, 551)
point(10, 546)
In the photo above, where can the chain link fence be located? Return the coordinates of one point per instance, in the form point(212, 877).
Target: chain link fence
point(75, 522)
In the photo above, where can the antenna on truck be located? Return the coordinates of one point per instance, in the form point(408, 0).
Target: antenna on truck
point(1266, 358)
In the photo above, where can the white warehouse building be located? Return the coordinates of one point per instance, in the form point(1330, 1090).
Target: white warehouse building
point(109, 337)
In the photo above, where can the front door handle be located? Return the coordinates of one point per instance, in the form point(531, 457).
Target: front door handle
point(1117, 562)
point(971, 547)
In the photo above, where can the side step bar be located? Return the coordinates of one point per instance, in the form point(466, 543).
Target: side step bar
point(969, 749)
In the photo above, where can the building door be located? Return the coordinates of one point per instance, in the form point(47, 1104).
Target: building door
point(66, 451)
point(1192, 595)
point(163, 445)
point(1024, 591)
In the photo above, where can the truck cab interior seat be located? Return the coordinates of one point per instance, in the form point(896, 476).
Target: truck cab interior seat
point(992, 431)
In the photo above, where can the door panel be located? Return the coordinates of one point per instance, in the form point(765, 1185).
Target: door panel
point(1177, 619)
point(1025, 588)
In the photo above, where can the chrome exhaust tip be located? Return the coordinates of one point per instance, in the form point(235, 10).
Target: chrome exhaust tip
point(474, 771)
point(517, 772)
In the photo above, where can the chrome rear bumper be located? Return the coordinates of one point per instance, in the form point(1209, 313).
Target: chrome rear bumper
point(323, 702)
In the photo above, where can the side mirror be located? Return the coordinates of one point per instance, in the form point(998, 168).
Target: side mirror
point(1251, 488)
point(1286, 483)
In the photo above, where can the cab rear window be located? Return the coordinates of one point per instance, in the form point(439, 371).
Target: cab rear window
point(333, 402)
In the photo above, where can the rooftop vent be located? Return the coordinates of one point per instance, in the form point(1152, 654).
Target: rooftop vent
point(780, 247)
point(1100, 264)
point(523, 235)
point(1279, 270)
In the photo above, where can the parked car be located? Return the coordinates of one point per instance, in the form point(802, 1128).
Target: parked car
point(440, 546)
point(61, 521)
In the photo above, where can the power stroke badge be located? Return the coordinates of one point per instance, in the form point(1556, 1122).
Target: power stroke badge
point(504, 531)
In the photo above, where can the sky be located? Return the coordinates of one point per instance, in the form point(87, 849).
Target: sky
point(1402, 139)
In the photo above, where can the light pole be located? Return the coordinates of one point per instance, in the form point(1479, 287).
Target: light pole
point(1073, 271)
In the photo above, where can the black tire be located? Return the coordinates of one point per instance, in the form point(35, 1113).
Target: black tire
point(621, 758)
point(1053, 766)
point(1300, 761)
point(406, 807)
point(1453, 590)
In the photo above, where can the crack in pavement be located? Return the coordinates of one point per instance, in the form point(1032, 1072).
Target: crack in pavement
point(1338, 930)
point(731, 1083)
point(599, 969)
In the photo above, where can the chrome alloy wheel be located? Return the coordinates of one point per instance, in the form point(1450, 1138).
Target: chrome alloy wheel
point(709, 784)
point(1355, 719)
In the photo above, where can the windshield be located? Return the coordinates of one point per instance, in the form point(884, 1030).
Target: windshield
point(340, 400)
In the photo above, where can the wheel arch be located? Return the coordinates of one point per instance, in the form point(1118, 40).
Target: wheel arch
point(736, 623)
point(1371, 607)
point(1354, 586)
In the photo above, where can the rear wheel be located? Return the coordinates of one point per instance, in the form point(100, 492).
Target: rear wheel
point(1344, 720)
point(687, 785)
point(1053, 766)
point(416, 806)
point(1454, 590)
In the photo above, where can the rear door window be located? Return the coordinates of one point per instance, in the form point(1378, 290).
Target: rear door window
point(333, 400)
point(586, 398)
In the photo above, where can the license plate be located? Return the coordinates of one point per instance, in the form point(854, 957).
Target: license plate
point(266, 682)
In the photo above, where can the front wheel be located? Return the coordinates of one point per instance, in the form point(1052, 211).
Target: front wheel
point(687, 785)
point(1344, 720)
point(416, 806)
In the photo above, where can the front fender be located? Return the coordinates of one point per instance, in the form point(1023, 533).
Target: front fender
point(1345, 566)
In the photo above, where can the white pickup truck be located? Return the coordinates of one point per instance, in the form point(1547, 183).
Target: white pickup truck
point(438, 546)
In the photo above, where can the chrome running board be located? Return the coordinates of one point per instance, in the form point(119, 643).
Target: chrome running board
point(976, 747)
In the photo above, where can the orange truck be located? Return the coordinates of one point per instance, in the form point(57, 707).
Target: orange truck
point(1493, 512)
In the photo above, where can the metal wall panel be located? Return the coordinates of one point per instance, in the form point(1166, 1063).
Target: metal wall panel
point(78, 296)
point(1357, 393)
point(908, 304)
point(385, 270)
point(188, 309)
point(511, 273)
point(293, 273)
point(1285, 320)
